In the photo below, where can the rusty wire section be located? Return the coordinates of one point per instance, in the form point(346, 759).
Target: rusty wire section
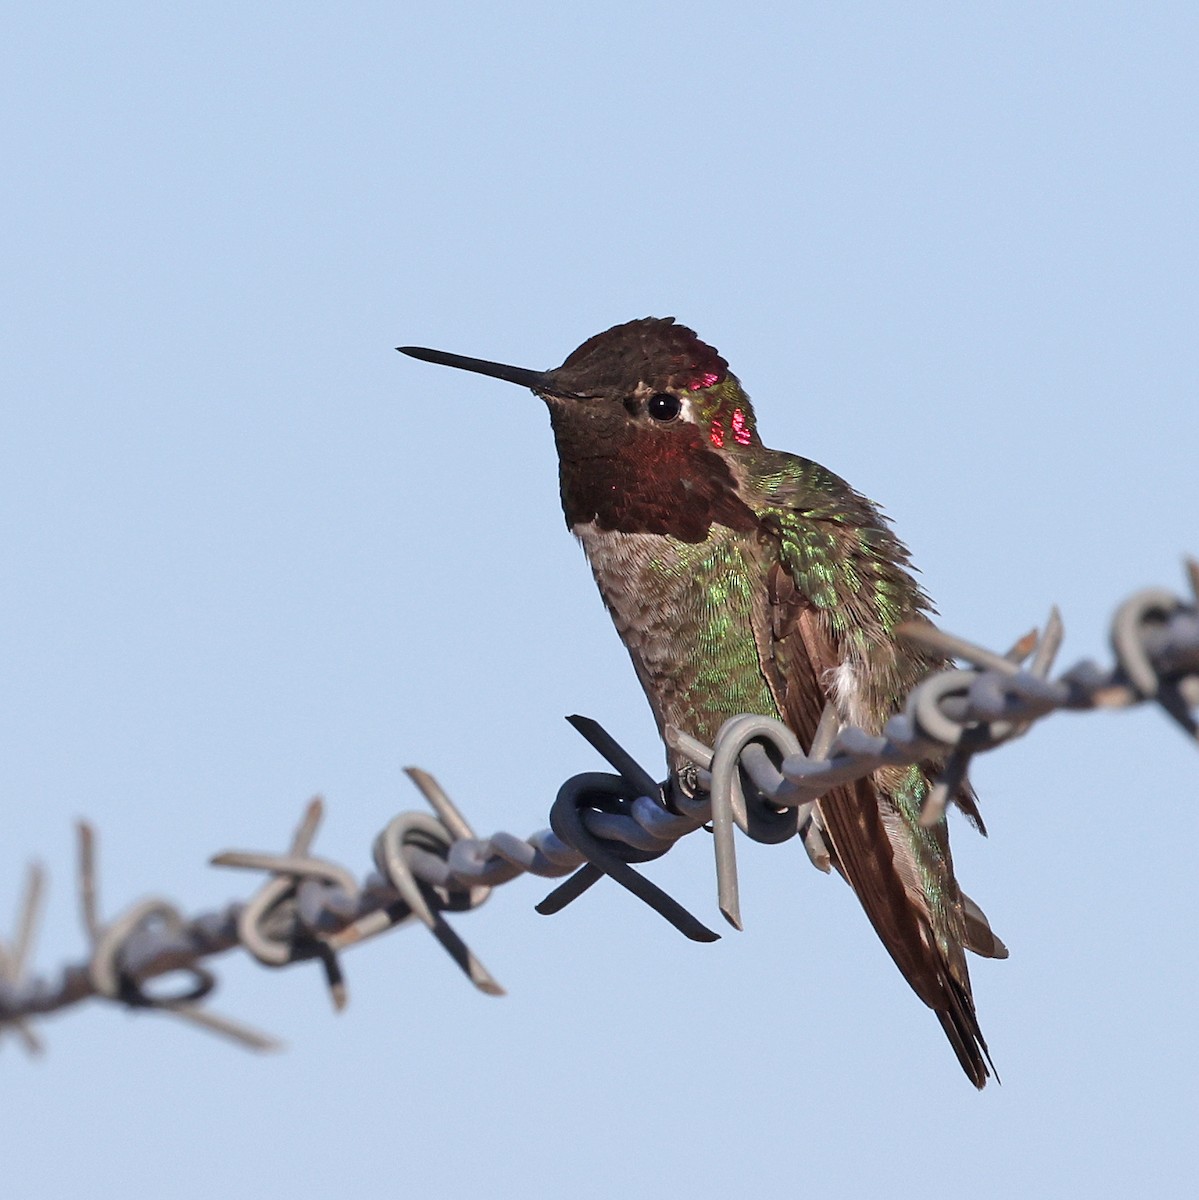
point(756, 778)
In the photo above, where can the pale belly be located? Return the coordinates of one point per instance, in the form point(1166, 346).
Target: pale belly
point(686, 614)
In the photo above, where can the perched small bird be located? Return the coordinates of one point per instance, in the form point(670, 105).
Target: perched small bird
point(748, 580)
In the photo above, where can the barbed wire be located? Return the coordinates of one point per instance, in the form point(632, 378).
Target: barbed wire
point(756, 778)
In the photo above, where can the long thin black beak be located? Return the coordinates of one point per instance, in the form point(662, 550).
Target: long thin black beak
point(537, 380)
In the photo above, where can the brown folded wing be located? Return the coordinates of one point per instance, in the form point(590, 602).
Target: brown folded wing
point(798, 655)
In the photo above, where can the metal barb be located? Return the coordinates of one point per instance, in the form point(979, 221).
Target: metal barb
point(950, 645)
point(594, 808)
point(111, 975)
point(14, 959)
point(600, 792)
point(763, 822)
point(407, 835)
point(1136, 634)
point(625, 765)
point(270, 925)
point(1191, 566)
point(970, 738)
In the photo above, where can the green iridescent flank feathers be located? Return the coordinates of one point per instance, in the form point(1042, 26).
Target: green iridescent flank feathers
point(854, 571)
point(714, 634)
point(930, 847)
point(849, 565)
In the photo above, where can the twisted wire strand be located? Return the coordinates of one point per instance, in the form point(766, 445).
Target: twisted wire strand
point(756, 778)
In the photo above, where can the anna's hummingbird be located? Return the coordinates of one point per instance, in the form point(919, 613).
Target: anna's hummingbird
point(748, 580)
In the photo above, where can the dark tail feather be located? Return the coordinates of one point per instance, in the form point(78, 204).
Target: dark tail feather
point(962, 1029)
point(865, 857)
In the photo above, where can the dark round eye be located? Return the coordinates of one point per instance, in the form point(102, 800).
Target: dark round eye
point(663, 406)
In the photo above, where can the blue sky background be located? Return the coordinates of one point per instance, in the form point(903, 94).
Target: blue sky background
point(251, 554)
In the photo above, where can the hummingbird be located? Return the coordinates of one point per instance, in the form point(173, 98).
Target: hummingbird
point(748, 580)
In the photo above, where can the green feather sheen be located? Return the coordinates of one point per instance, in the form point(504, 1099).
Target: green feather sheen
point(714, 637)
